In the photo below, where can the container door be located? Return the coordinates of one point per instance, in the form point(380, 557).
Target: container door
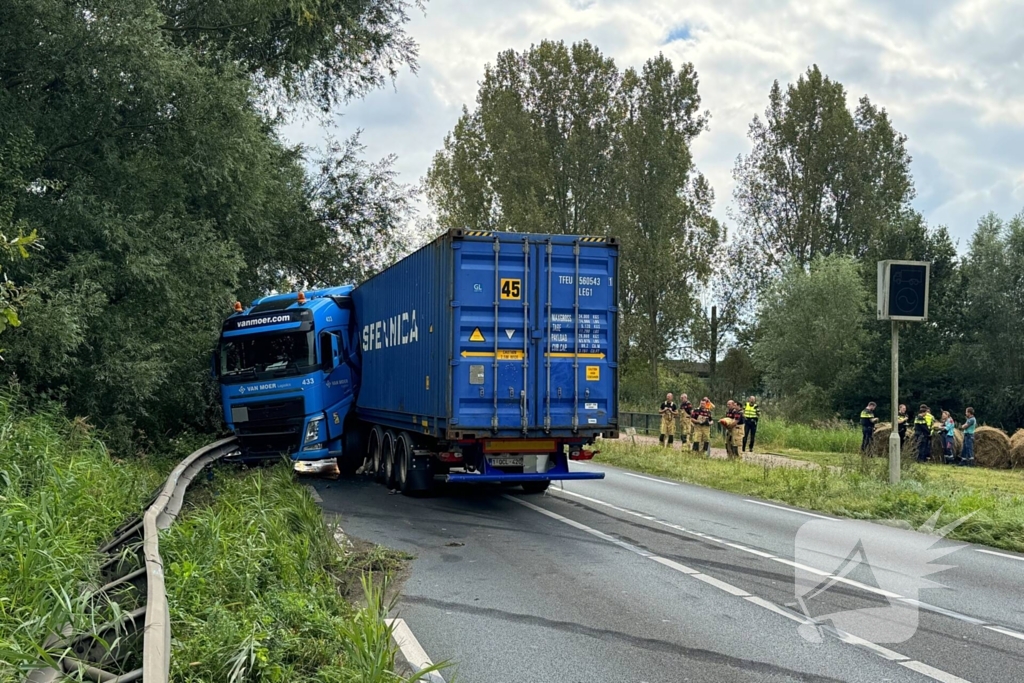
point(575, 382)
point(494, 281)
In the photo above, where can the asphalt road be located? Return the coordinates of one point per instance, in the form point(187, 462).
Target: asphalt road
point(639, 579)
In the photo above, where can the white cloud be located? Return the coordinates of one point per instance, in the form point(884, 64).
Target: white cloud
point(950, 72)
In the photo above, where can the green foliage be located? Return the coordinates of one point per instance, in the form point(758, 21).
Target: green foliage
point(820, 179)
point(812, 329)
point(857, 489)
point(255, 592)
point(135, 140)
point(637, 393)
point(829, 436)
point(61, 495)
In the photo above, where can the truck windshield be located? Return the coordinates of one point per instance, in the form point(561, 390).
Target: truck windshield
point(267, 355)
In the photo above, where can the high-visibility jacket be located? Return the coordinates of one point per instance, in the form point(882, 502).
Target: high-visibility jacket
point(923, 423)
point(867, 419)
point(751, 411)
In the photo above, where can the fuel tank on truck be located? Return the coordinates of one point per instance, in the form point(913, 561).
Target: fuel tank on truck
point(482, 334)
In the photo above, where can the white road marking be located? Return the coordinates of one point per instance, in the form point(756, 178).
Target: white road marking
point(721, 585)
point(412, 650)
point(932, 672)
point(657, 481)
point(759, 553)
point(993, 552)
point(780, 507)
point(920, 667)
point(1006, 632)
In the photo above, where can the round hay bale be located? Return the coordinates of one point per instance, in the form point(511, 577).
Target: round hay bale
point(880, 440)
point(958, 445)
point(727, 422)
point(1017, 449)
point(991, 448)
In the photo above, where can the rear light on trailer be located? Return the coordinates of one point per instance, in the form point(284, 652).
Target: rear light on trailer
point(449, 456)
point(582, 455)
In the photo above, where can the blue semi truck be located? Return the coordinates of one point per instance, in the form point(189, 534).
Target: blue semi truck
point(481, 357)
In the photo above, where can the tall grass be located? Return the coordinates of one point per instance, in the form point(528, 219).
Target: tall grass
point(61, 495)
point(256, 588)
point(833, 436)
point(858, 489)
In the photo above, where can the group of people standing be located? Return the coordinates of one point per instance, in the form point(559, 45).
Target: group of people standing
point(925, 425)
point(695, 424)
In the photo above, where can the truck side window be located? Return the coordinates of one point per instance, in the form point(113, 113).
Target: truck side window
point(326, 352)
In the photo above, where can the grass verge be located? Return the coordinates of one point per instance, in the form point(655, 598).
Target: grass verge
point(61, 494)
point(256, 582)
point(858, 489)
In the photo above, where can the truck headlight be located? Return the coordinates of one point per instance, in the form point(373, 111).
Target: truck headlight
point(313, 429)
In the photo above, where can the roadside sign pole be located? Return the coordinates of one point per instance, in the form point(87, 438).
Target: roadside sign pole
point(894, 437)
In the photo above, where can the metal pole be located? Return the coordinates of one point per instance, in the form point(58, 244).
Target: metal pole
point(894, 437)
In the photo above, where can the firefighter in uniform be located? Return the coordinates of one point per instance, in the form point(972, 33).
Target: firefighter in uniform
point(734, 434)
point(668, 420)
point(867, 426)
point(685, 424)
point(923, 432)
point(701, 419)
point(751, 413)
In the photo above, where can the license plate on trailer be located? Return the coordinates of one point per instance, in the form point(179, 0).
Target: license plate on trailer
point(506, 461)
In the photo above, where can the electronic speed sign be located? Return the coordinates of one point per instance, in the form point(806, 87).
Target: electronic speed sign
point(903, 290)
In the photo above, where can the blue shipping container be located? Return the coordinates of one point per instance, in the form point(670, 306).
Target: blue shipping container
point(493, 334)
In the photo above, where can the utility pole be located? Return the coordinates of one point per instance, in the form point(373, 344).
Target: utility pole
point(894, 436)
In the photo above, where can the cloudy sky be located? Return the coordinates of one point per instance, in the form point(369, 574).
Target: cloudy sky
point(950, 73)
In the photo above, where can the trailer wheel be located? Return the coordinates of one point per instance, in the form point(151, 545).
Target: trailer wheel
point(535, 486)
point(403, 452)
point(389, 459)
point(374, 452)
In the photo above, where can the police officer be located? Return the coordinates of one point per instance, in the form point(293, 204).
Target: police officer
point(734, 435)
point(668, 420)
point(685, 424)
point(751, 414)
point(902, 421)
point(867, 426)
point(701, 419)
point(923, 432)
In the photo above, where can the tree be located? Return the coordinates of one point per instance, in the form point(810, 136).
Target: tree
point(812, 329)
point(145, 157)
point(663, 207)
point(534, 154)
point(820, 179)
point(992, 352)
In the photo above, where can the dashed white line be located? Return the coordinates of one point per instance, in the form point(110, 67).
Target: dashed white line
point(920, 667)
point(993, 552)
point(658, 481)
point(782, 507)
point(932, 672)
point(759, 553)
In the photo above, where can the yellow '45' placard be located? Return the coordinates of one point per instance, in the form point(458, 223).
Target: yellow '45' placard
point(511, 289)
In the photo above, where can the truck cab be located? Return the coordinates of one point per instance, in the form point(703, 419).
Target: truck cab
point(289, 376)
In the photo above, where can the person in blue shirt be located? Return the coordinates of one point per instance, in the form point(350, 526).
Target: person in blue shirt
point(971, 424)
point(948, 428)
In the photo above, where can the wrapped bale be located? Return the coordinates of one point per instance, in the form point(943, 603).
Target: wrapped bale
point(1017, 449)
point(958, 445)
point(880, 440)
point(991, 448)
point(727, 422)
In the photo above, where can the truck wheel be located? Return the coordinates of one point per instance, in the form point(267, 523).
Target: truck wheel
point(388, 455)
point(352, 450)
point(403, 453)
point(535, 486)
point(374, 452)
